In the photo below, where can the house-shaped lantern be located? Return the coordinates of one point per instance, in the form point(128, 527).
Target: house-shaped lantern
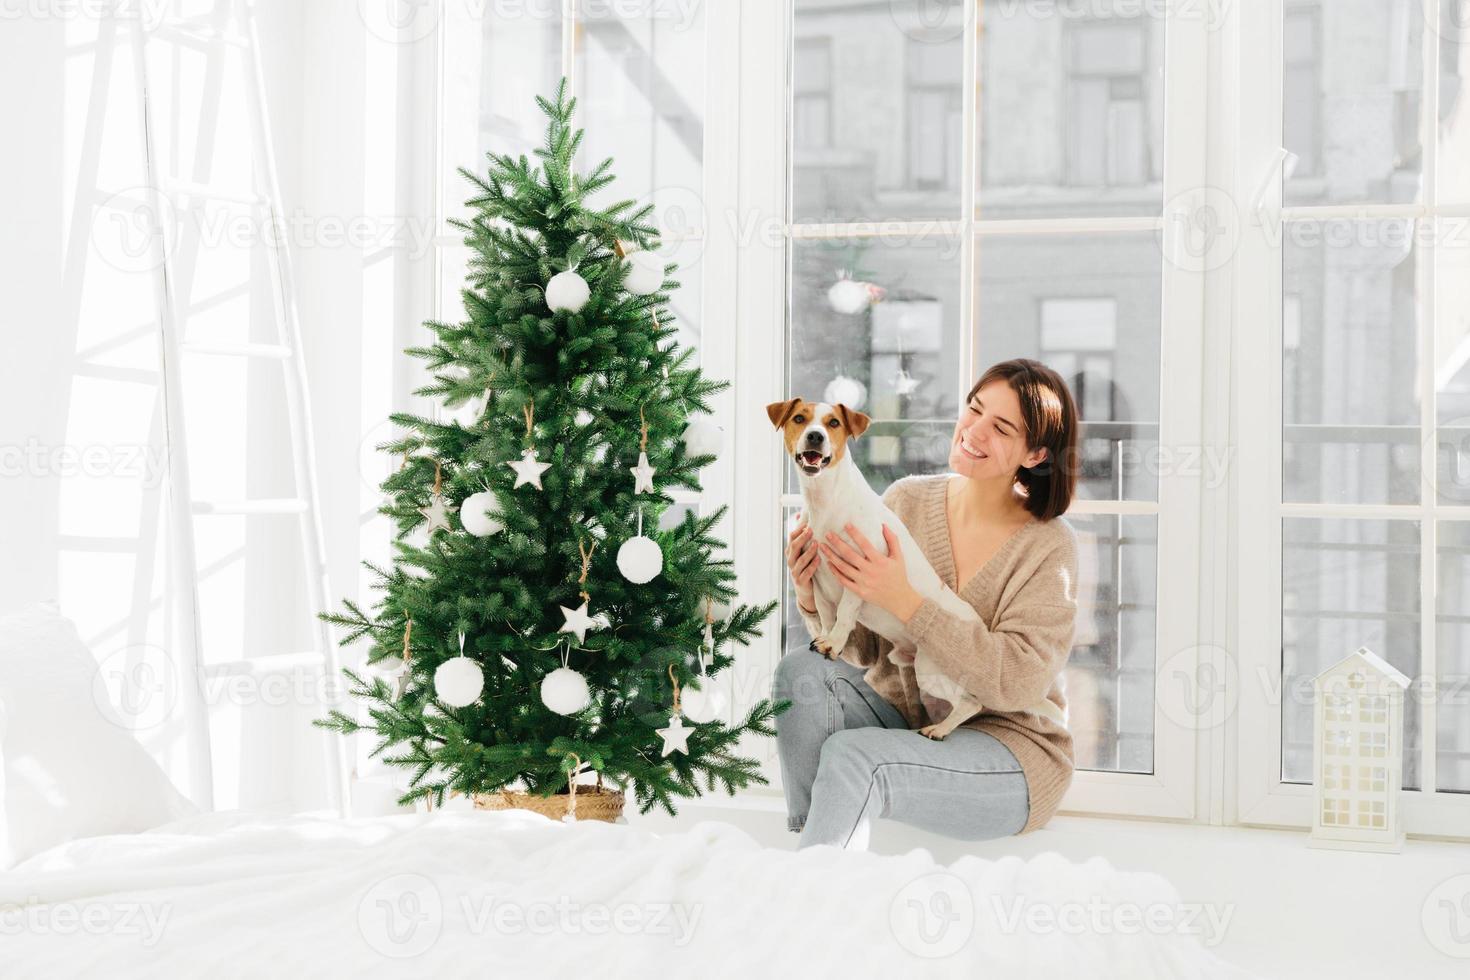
point(1358, 736)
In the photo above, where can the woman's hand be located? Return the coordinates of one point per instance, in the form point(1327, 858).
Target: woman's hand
point(877, 578)
point(802, 561)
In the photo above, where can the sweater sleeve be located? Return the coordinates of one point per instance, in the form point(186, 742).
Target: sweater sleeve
point(1011, 664)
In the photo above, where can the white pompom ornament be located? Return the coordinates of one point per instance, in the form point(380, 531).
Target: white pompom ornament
point(849, 296)
point(703, 438)
point(701, 706)
point(567, 291)
point(459, 680)
point(645, 274)
point(565, 691)
point(719, 610)
point(639, 558)
point(843, 390)
point(478, 514)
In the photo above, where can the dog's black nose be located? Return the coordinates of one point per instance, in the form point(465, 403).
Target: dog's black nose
point(813, 438)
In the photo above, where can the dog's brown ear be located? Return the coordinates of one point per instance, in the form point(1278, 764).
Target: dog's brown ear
point(855, 421)
point(781, 411)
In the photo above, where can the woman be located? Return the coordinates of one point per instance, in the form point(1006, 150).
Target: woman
point(993, 532)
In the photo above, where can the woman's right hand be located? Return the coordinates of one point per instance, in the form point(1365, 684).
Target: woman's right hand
point(802, 559)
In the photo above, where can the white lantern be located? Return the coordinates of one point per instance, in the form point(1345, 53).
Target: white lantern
point(701, 706)
point(848, 296)
point(458, 682)
point(1358, 738)
point(703, 438)
point(567, 291)
point(478, 514)
point(843, 390)
point(640, 559)
point(565, 691)
point(645, 273)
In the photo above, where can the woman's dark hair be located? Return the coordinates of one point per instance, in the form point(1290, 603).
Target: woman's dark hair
point(1049, 415)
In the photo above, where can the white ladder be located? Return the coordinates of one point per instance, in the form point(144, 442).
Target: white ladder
point(233, 23)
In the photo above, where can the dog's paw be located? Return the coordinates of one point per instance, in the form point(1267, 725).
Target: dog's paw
point(820, 645)
point(829, 645)
point(932, 731)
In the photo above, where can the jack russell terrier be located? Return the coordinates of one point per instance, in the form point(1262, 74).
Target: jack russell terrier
point(836, 494)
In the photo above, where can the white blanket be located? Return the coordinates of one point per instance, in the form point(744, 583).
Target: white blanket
point(512, 894)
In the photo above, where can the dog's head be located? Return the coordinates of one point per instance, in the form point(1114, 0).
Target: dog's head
point(816, 433)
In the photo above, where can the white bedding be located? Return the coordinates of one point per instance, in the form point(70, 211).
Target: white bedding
point(511, 894)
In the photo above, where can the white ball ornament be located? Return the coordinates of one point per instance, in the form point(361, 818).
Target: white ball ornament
point(849, 296)
point(565, 691)
point(719, 610)
point(478, 514)
point(703, 438)
point(458, 682)
point(701, 706)
point(645, 274)
point(567, 291)
point(843, 390)
point(640, 559)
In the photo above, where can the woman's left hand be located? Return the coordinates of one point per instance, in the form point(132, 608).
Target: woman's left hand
point(875, 577)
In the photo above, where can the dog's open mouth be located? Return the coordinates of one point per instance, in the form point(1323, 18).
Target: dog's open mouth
point(812, 461)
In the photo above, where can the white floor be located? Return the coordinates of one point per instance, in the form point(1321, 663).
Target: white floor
point(1294, 911)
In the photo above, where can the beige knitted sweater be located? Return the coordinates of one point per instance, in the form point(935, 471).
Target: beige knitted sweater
point(1026, 595)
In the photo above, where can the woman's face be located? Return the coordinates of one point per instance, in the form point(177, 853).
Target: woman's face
point(989, 440)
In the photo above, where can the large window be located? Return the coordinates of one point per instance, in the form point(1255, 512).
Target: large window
point(1353, 501)
point(987, 181)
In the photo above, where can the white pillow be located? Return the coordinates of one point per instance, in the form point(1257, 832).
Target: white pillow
point(70, 767)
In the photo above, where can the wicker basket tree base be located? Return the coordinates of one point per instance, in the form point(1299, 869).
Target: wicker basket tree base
point(593, 803)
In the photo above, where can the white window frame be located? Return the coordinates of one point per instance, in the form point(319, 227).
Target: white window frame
point(765, 41)
point(1263, 798)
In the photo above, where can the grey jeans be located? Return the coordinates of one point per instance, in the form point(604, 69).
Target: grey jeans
point(847, 756)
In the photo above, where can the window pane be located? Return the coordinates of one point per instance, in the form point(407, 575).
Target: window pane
point(640, 90)
point(1349, 362)
point(1072, 120)
point(495, 64)
point(1088, 306)
point(1452, 652)
point(895, 357)
point(1452, 366)
point(1110, 676)
point(1454, 69)
point(876, 115)
point(1345, 584)
point(1352, 88)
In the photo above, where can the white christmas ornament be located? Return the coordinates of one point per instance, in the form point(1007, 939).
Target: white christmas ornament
point(849, 296)
point(529, 469)
point(703, 438)
point(459, 680)
point(579, 622)
point(565, 691)
point(904, 383)
point(676, 736)
point(437, 512)
point(701, 706)
point(567, 291)
point(843, 390)
point(645, 273)
point(478, 514)
point(639, 558)
point(719, 610)
point(642, 475)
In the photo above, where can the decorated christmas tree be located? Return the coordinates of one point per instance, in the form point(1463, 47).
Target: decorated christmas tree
point(539, 619)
